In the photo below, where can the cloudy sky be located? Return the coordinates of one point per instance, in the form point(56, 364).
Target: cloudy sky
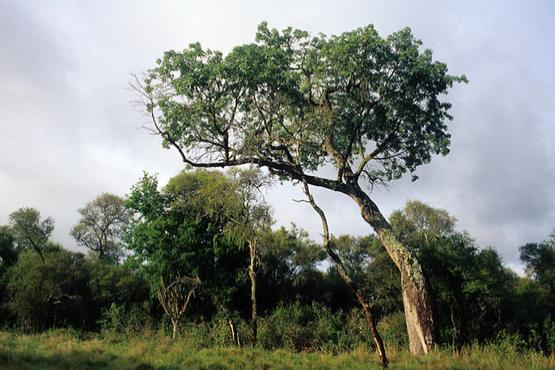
point(68, 130)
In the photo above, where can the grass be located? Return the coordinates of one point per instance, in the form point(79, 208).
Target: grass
point(62, 349)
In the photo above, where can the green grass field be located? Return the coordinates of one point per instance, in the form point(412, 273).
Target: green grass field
point(66, 350)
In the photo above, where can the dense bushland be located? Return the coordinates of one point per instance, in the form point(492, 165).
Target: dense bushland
point(192, 228)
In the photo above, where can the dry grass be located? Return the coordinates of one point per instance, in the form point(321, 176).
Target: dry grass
point(66, 350)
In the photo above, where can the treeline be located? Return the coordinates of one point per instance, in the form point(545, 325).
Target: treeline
point(198, 257)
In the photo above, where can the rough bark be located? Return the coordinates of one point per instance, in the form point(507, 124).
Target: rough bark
point(252, 276)
point(347, 279)
point(416, 299)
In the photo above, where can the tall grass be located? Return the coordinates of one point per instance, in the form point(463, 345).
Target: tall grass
point(64, 349)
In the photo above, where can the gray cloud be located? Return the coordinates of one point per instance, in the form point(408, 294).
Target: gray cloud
point(69, 131)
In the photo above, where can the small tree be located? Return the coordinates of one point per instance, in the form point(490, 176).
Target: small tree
point(102, 226)
point(49, 292)
point(181, 230)
point(254, 219)
point(367, 106)
point(342, 270)
point(540, 262)
point(175, 297)
point(29, 231)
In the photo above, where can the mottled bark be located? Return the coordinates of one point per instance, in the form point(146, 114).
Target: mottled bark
point(416, 299)
point(347, 279)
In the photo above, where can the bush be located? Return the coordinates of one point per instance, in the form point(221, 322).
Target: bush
point(301, 328)
point(355, 333)
point(120, 319)
point(117, 290)
point(220, 331)
point(393, 330)
point(50, 294)
point(549, 329)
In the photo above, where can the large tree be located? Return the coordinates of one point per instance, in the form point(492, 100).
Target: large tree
point(101, 227)
point(367, 106)
point(470, 288)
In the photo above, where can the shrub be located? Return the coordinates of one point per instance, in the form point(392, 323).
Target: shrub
point(393, 330)
point(301, 328)
point(49, 294)
point(120, 319)
point(549, 329)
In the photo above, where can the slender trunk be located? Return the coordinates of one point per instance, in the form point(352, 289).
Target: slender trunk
point(416, 299)
point(232, 330)
point(175, 324)
point(40, 255)
point(234, 333)
point(347, 279)
point(366, 308)
point(252, 275)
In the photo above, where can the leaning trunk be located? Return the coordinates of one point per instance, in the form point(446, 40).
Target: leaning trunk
point(416, 299)
point(347, 279)
point(365, 307)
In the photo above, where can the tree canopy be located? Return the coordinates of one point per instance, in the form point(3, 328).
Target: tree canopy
point(293, 102)
point(368, 106)
point(102, 226)
point(29, 231)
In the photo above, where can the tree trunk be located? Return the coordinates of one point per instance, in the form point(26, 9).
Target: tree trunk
point(252, 275)
point(175, 324)
point(416, 299)
point(347, 279)
point(234, 333)
point(367, 313)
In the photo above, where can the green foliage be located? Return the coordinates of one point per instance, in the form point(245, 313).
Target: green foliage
point(300, 328)
point(277, 101)
point(50, 293)
point(182, 231)
point(68, 290)
point(116, 286)
point(29, 231)
point(8, 251)
point(549, 330)
point(126, 320)
point(540, 262)
point(288, 268)
point(393, 330)
point(101, 227)
point(470, 288)
point(372, 269)
point(8, 257)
